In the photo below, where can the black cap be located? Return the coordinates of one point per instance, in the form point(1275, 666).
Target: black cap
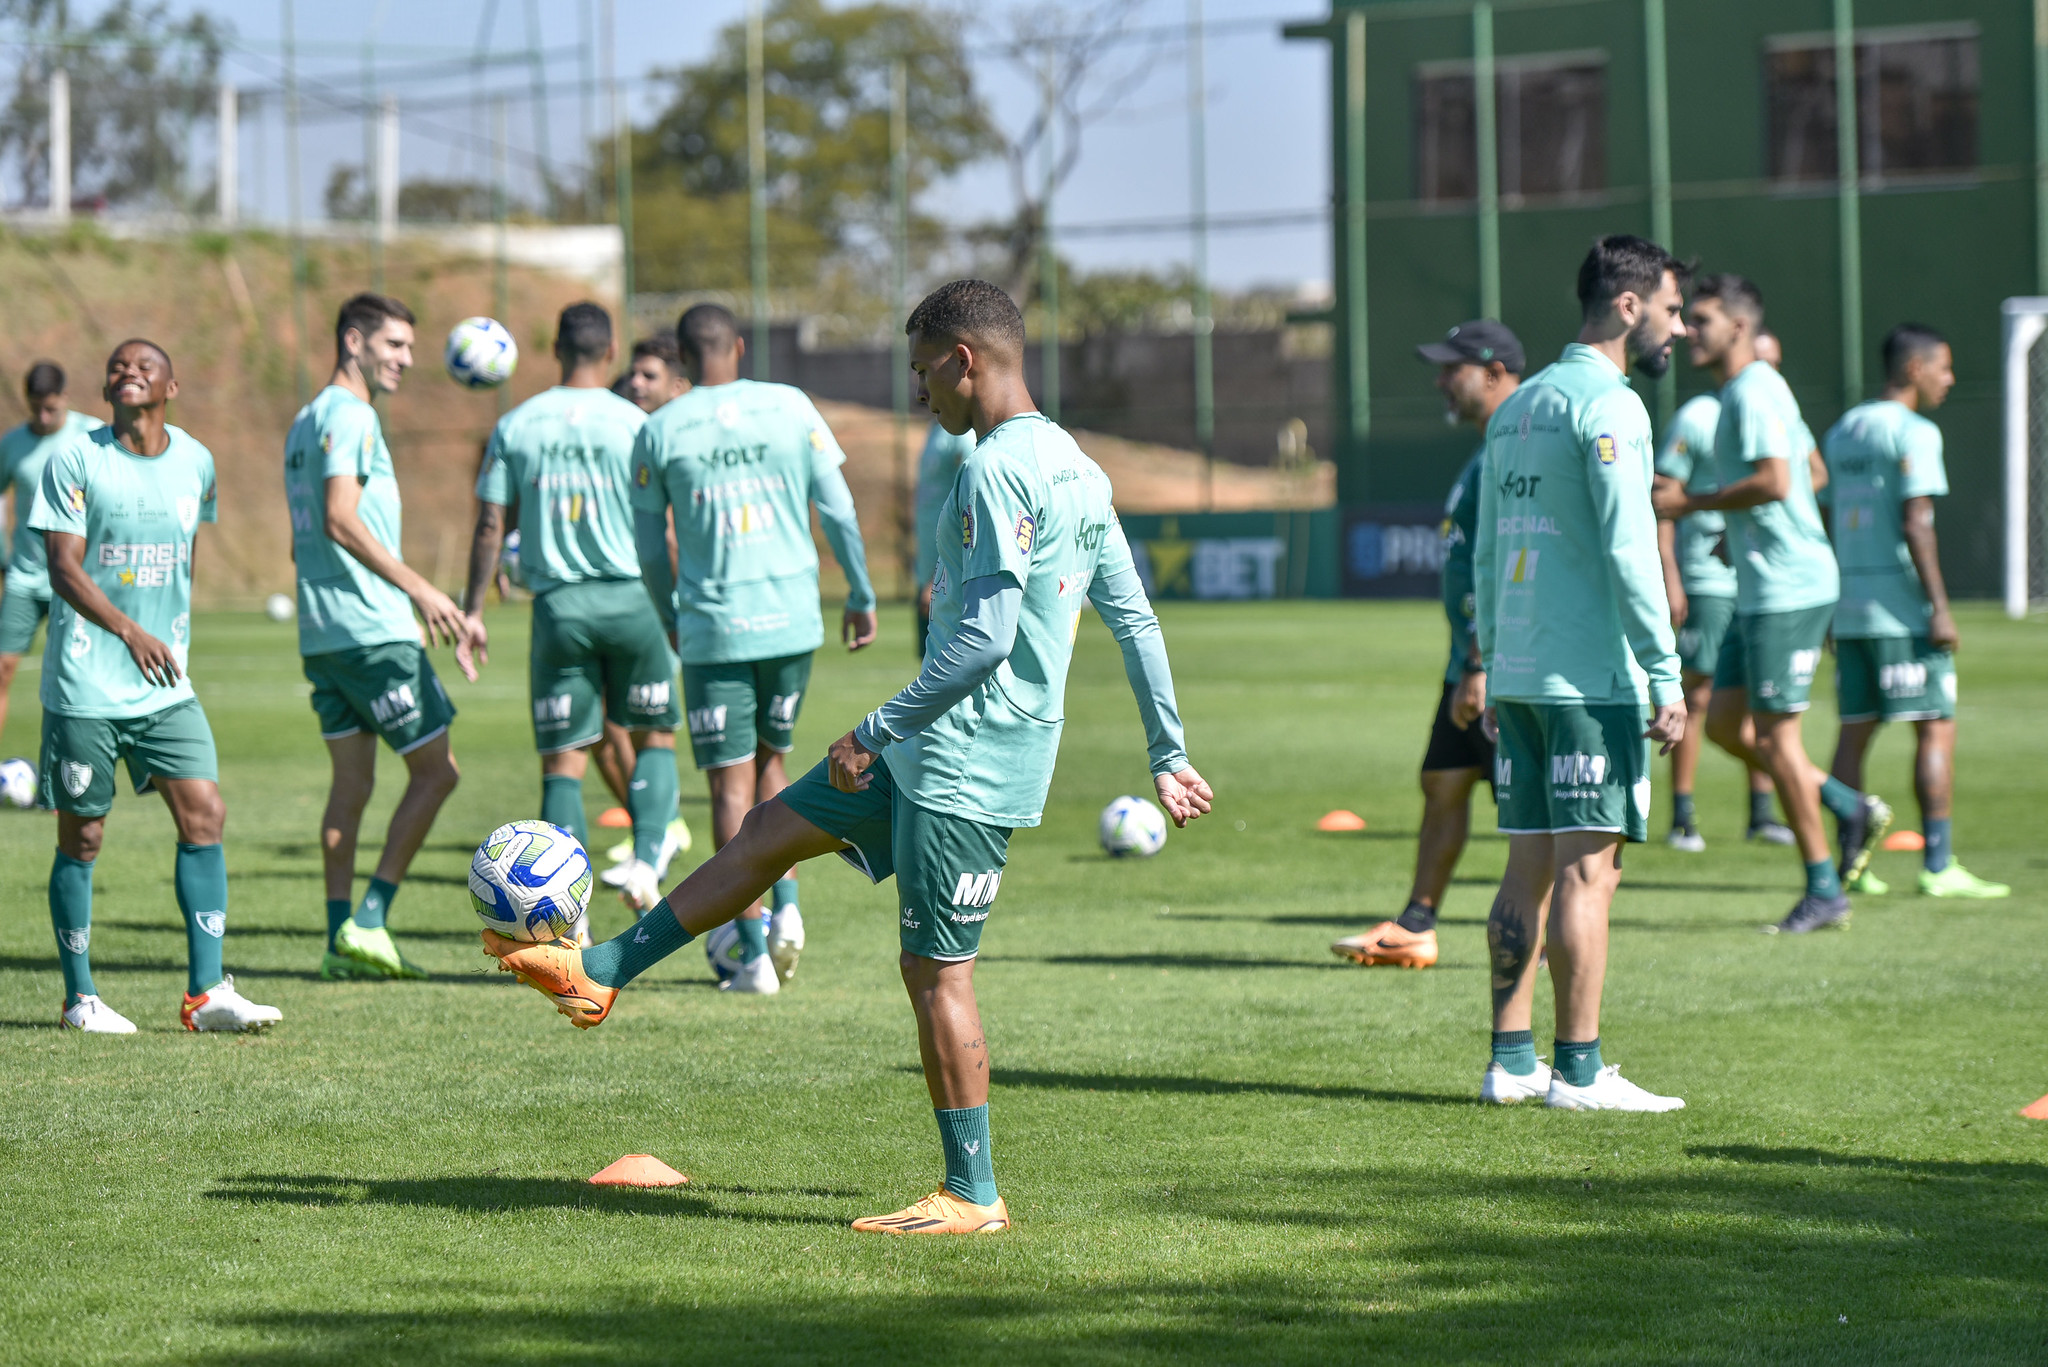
point(1479, 342)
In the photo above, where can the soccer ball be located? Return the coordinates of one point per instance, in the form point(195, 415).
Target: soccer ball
point(530, 880)
point(1131, 826)
point(722, 951)
point(480, 353)
point(18, 783)
point(508, 560)
point(279, 607)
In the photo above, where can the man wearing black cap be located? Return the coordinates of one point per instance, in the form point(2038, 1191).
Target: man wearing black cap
point(1478, 365)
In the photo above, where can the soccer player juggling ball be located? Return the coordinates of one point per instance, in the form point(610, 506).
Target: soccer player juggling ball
point(1575, 629)
point(1786, 585)
point(930, 785)
point(362, 650)
point(118, 509)
point(1894, 638)
point(564, 460)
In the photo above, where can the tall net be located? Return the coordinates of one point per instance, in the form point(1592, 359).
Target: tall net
point(2036, 523)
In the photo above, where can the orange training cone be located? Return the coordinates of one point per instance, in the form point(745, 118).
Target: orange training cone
point(615, 819)
point(1905, 840)
point(1341, 820)
point(2037, 1111)
point(639, 1170)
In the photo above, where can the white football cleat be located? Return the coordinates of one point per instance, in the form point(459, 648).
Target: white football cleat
point(1610, 1091)
point(639, 885)
point(1504, 1088)
point(1691, 842)
point(674, 841)
point(220, 1007)
point(758, 976)
point(620, 853)
point(786, 940)
point(94, 1017)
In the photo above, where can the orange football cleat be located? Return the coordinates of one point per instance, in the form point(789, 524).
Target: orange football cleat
point(555, 970)
point(1389, 944)
point(940, 1213)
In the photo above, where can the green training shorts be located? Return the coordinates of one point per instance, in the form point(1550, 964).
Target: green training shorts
point(599, 651)
point(390, 689)
point(79, 754)
point(947, 868)
point(22, 610)
point(1568, 766)
point(732, 708)
point(1774, 655)
point(1706, 626)
point(1894, 678)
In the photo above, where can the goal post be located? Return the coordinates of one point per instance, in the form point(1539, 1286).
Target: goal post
point(2024, 321)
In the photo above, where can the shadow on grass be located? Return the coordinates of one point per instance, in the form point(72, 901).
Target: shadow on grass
point(1208, 1086)
point(312, 930)
point(1226, 961)
point(488, 1193)
point(482, 977)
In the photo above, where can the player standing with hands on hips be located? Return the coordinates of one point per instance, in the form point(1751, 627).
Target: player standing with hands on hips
point(1575, 628)
point(930, 785)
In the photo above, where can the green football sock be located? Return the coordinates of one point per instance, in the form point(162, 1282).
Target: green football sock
point(71, 918)
point(201, 878)
point(1515, 1050)
point(651, 798)
point(636, 949)
point(1759, 808)
point(376, 904)
point(970, 1173)
point(1578, 1064)
point(753, 936)
point(1936, 857)
point(1839, 798)
point(784, 894)
point(1822, 880)
point(561, 801)
point(1682, 814)
point(337, 911)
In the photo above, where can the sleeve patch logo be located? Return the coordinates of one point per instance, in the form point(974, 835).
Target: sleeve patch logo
point(75, 496)
point(326, 443)
point(967, 527)
point(641, 476)
point(1027, 532)
point(817, 439)
point(1603, 446)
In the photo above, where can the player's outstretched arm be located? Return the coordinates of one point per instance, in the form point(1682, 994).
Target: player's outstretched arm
point(834, 501)
point(345, 529)
point(1119, 598)
point(69, 581)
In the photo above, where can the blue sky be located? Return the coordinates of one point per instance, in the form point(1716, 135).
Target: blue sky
point(1267, 116)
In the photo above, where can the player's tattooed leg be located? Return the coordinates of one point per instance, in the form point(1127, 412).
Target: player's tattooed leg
point(1510, 944)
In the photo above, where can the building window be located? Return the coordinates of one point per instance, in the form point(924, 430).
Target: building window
point(1551, 115)
point(1916, 102)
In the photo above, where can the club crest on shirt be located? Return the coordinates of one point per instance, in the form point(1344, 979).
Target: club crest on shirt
point(77, 777)
point(188, 513)
point(817, 439)
point(1027, 532)
point(1603, 447)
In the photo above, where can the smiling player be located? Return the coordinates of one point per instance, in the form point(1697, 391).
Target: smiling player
point(930, 785)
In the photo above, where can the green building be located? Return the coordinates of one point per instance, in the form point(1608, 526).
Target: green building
point(1915, 191)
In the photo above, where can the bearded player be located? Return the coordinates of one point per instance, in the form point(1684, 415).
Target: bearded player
point(930, 785)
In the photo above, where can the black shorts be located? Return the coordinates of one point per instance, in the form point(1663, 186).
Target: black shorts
point(1450, 748)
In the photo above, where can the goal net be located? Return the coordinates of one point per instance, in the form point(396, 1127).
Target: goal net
point(2025, 333)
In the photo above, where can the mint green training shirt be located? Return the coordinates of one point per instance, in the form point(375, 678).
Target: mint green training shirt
point(1879, 455)
point(566, 458)
point(22, 457)
point(138, 515)
point(1687, 455)
point(1782, 559)
point(741, 464)
point(937, 465)
point(1569, 585)
point(341, 604)
point(1030, 507)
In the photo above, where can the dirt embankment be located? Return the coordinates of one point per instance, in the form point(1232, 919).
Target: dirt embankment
point(223, 308)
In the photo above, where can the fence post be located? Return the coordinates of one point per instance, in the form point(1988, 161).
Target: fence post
point(227, 176)
point(60, 144)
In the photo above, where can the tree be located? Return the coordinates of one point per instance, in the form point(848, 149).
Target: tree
point(140, 80)
point(827, 102)
point(420, 200)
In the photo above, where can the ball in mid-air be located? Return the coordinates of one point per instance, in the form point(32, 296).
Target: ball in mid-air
point(18, 783)
point(480, 353)
point(279, 607)
point(1132, 827)
point(722, 950)
point(530, 880)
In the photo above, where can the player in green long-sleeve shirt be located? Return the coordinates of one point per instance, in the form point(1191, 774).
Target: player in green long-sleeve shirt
point(740, 464)
point(1576, 633)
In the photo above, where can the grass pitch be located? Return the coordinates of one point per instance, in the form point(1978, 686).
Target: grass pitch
point(1219, 1143)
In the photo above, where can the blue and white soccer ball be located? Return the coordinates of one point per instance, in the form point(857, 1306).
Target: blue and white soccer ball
point(480, 353)
point(1132, 827)
point(18, 783)
point(530, 880)
point(723, 952)
point(509, 561)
